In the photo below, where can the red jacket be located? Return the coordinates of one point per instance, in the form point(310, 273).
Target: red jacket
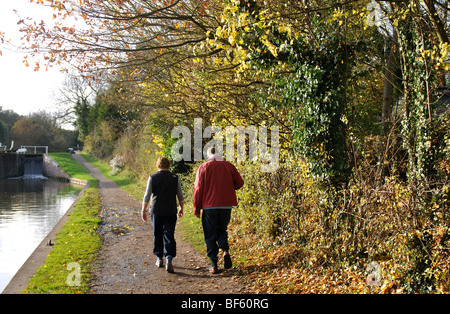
point(215, 185)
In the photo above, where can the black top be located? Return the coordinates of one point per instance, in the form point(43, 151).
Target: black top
point(164, 185)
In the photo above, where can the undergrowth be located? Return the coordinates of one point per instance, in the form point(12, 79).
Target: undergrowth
point(289, 236)
point(375, 234)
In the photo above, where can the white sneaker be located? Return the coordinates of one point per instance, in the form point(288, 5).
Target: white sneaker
point(159, 263)
point(169, 268)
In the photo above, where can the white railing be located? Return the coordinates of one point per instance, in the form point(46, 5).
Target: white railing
point(35, 148)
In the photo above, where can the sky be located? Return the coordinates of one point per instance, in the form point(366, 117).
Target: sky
point(22, 89)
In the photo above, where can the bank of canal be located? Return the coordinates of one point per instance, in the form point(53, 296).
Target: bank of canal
point(29, 209)
point(73, 240)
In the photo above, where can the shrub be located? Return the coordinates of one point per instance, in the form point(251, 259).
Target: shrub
point(286, 221)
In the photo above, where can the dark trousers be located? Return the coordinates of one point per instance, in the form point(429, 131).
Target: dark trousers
point(215, 224)
point(164, 235)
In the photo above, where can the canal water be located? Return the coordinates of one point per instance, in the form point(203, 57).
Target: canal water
point(29, 209)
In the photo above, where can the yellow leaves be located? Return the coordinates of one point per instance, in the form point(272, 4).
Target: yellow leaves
point(279, 269)
point(388, 287)
point(232, 37)
point(285, 28)
point(446, 66)
point(445, 49)
point(272, 48)
point(236, 25)
point(128, 228)
point(338, 14)
point(443, 56)
point(438, 55)
point(159, 141)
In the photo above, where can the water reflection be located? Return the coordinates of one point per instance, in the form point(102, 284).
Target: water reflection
point(29, 209)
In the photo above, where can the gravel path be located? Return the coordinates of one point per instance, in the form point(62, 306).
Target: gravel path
point(126, 264)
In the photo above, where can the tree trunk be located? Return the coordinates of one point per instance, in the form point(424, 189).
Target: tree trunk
point(388, 91)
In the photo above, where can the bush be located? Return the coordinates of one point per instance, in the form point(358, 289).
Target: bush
point(286, 222)
point(117, 164)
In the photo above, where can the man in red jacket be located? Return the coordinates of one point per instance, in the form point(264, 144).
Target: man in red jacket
point(215, 192)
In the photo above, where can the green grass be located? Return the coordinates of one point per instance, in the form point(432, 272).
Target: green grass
point(76, 242)
point(124, 180)
point(71, 166)
point(191, 230)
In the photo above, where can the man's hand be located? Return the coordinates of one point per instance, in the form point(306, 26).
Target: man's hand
point(144, 212)
point(181, 212)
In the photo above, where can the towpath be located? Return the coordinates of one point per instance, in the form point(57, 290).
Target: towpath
point(126, 264)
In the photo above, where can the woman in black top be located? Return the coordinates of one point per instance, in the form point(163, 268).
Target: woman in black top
point(163, 187)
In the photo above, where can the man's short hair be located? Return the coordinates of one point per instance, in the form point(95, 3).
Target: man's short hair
point(163, 163)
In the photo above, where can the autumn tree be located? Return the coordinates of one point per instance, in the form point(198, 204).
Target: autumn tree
point(226, 61)
point(4, 132)
point(42, 129)
point(114, 35)
point(27, 132)
point(422, 53)
point(157, 49)
point(9, 118)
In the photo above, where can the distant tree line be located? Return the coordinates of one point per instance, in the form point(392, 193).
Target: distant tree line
point(36, 129)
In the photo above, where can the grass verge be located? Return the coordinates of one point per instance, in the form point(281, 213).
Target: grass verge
point(67, 269)
point(124, 180)
point(71, 166)
point(191, 229)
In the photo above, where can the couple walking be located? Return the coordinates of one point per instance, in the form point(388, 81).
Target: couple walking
point(214, 192)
